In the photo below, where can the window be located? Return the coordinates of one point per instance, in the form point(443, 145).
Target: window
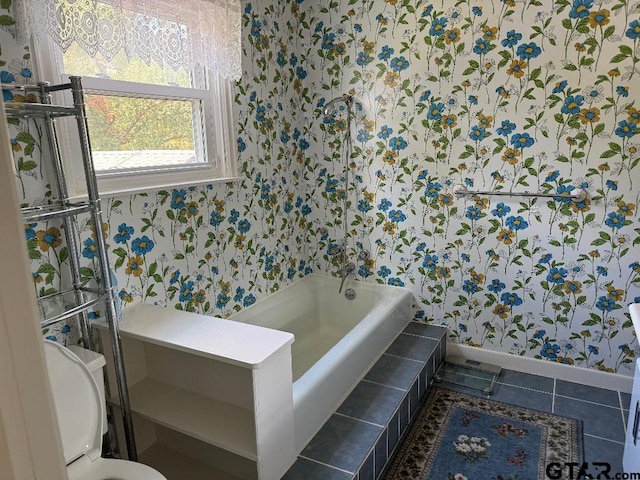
point(158, 115)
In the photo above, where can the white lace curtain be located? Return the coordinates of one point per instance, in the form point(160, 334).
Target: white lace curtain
point(179, 33)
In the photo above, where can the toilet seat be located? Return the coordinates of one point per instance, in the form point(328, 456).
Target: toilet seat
point(80, 413)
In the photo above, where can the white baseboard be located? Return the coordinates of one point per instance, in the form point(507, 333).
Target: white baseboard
point(585, 376)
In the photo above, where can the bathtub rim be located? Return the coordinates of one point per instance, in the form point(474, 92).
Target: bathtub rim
point(349, 283)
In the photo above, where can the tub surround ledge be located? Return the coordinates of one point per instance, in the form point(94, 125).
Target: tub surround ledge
point(228, 341)
point(211, 393)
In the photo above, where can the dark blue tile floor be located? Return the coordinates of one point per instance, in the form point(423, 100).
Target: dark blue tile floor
point(364, 432)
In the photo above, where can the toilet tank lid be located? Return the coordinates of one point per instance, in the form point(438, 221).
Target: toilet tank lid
point(93, 360)
point(77, 401)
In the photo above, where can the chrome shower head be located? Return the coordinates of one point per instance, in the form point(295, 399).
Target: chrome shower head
point(331, 104)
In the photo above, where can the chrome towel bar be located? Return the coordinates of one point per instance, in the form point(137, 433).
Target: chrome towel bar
point(576, 195)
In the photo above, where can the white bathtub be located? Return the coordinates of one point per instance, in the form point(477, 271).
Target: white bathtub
point(336, 340)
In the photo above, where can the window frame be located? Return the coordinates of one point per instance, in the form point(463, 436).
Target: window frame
point(213, 124)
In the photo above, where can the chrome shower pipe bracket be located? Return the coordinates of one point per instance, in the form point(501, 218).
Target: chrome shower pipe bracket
point(330, 105)
point(363, 255)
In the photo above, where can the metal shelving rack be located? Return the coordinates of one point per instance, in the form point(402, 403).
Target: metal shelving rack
point(77, 300)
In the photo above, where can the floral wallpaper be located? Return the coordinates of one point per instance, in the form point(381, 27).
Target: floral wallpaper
point(489, 94)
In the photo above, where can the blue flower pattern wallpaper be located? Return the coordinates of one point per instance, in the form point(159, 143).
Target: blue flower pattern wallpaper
point(523, 96)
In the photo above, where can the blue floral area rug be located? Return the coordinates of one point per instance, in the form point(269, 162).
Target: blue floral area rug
point(461, 437)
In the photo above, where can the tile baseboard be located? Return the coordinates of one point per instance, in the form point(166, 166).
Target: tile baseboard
point(585, 376)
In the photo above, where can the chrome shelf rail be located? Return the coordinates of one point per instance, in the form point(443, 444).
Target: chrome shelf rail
point(62, 305)
point(55, 209)
point(37, 110)
point(576, 195)
point(34, 88)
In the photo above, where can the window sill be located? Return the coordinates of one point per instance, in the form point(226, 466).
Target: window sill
point(106, 192)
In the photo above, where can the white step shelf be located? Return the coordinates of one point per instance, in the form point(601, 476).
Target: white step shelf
point(213, 390)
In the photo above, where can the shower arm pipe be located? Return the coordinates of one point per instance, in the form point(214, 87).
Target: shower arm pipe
point(577, 195)
point(347, 159)
point(348, 100)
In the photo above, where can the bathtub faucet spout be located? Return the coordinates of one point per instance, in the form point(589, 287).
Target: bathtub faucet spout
point(345, 272)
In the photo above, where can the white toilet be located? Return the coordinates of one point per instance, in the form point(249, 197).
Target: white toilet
point(80, 409)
